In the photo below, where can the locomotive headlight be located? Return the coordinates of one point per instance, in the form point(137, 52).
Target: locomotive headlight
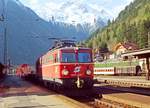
point(65, 72)
point(88, 72)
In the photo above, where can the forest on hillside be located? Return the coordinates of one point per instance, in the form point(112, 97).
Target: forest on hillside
point(131, 25)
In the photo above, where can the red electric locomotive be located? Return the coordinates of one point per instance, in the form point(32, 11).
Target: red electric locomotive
point(66, 65)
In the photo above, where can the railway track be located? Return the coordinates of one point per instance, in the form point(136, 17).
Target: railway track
point(117, 101)
point(117, 97)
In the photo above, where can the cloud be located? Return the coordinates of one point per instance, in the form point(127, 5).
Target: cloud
point(30, 2)
point(43, 8)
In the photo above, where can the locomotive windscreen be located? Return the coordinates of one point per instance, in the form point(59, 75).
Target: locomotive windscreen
point(68, 57)
point(84, 57)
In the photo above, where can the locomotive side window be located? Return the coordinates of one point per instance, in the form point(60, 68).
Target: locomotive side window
point(68, 57)
point(57, 57)
point(51, 58)
point(84, 57)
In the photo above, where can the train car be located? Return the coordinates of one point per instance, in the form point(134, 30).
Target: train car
point(67, 66)
point(23, 70)
point(119, 71)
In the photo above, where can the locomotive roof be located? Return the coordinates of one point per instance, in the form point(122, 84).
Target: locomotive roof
point(69, 48)
point(65, 45)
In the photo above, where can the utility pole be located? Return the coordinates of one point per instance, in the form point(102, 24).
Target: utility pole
point(5, 46)
point(4, 14)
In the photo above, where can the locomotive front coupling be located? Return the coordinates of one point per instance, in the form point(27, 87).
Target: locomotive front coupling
point(79, 82)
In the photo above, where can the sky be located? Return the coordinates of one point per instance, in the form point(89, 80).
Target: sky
point(113, 7)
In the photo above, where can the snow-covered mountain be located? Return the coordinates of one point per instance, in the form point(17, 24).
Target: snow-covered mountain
point(75, 12)
point(24, 26)
point(79, 11)
point(72, 12)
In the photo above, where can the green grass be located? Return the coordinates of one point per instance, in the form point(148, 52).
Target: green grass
point(116, 64)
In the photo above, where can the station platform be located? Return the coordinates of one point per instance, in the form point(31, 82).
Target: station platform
point(18, 93)
point(127, 81)
point(49, 101)
point(134, 100)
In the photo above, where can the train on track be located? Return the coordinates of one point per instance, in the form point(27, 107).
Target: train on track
point(23, 70)
point(66, 65)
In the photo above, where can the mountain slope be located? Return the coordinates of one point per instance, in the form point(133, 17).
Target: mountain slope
point(132, 25)
point(23, 28)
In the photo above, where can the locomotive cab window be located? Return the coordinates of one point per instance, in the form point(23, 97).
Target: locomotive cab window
point(68, 57)
point(84, 57)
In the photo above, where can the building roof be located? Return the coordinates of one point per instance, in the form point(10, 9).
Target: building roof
point(127, 45)
point(142, 53)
